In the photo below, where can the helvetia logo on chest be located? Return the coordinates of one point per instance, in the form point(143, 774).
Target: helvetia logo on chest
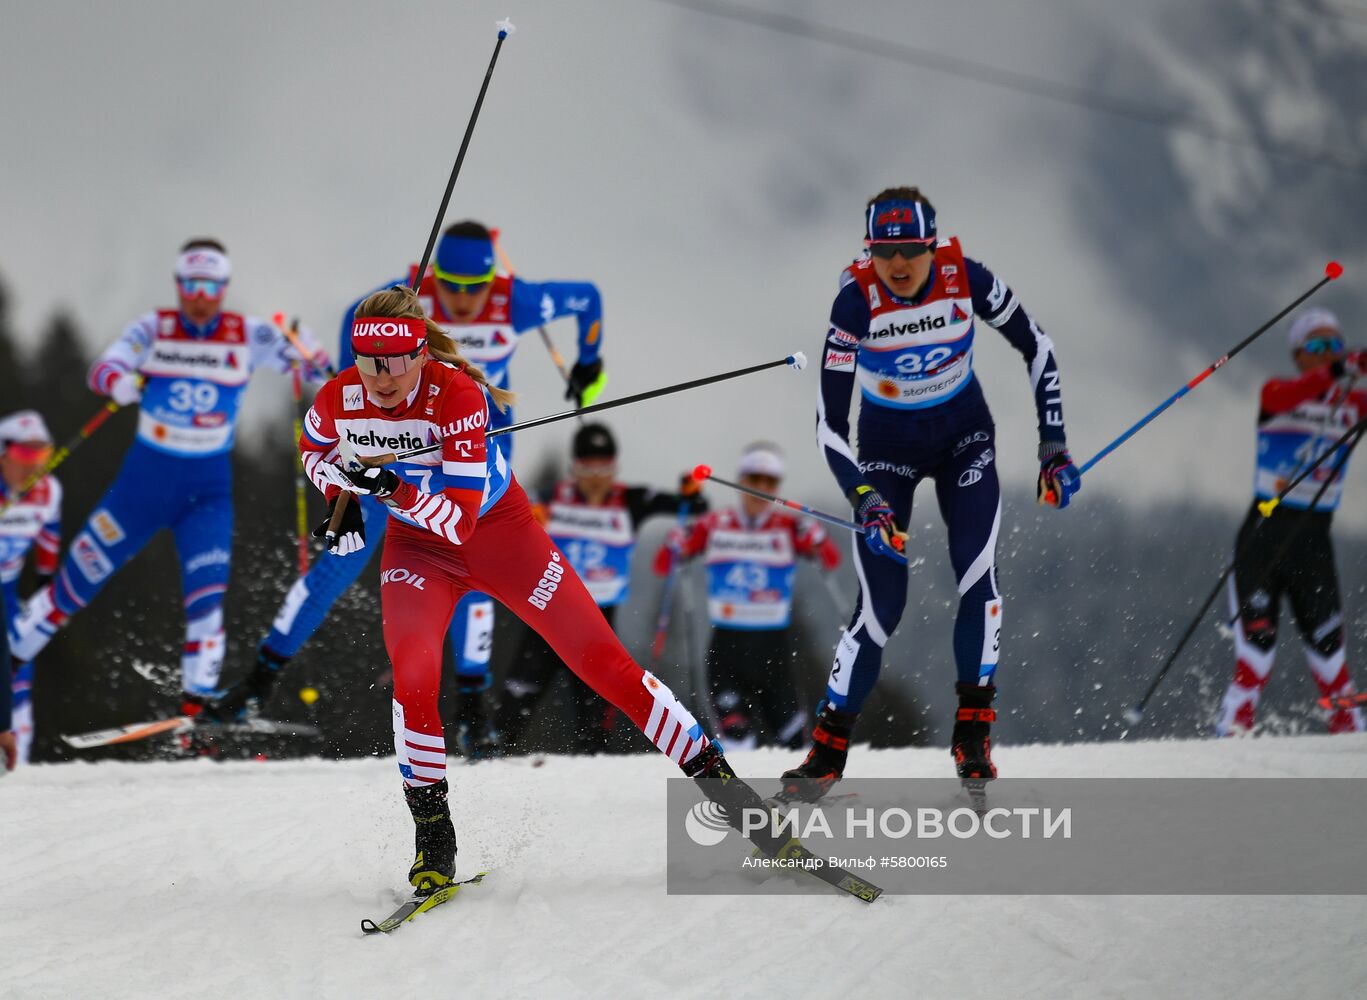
point(402, 441)
point(923, 324)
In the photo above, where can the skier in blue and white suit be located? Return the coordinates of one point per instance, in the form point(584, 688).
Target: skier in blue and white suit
point(485, 312)
point(186, 369)
point(902, 329)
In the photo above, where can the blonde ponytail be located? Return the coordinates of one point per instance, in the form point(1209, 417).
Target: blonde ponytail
point(402, 302)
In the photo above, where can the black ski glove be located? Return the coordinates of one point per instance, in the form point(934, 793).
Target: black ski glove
point(350, 533)
point(581, 380)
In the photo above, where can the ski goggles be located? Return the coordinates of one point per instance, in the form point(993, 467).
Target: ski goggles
point(389, 344)
point(28, 454)
point(909, 249)
point(1323, 345)
point(391, 364)
point(468, 284)
point(201, 288)
point(593, 467)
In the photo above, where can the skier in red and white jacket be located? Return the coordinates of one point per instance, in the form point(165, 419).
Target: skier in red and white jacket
point(1290, 554)
point(751, 553)
point(461, 522)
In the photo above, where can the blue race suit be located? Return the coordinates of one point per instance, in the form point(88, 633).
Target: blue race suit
point(513, 308)
point(923, 415)
point(177, 475)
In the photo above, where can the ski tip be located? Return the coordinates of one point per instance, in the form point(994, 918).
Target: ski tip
point(1333, 270)
point(369, 926)
point(702, 473)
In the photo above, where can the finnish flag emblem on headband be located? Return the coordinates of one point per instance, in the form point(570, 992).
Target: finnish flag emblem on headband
point(899, 220)
point(203, 262)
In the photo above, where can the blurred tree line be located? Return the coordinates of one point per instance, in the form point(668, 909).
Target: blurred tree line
point(1094, 598)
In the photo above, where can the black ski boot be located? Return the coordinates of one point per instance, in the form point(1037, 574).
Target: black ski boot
point(434, 862)
point(246, 699)
point(733, 797)
point(972, 740)
point(825, 763)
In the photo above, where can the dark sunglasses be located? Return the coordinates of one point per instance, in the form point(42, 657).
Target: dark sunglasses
point(392, 364)
point(908, 249)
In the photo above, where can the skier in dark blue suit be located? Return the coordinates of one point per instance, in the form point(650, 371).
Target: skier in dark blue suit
point(902, 329)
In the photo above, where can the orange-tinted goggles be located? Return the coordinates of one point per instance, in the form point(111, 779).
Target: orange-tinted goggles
point(30, 454)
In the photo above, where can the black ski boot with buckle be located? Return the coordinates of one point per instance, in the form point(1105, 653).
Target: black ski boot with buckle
point(825, 763)
point(434, 863)
point(971, 743)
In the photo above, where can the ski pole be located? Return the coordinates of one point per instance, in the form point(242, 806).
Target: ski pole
point(291, 333)
point(301, 516)
point(1133, 715)
point(796, 360)
point(505, 28)
point(898, 540)
point(1332, 271)
point(63, 453)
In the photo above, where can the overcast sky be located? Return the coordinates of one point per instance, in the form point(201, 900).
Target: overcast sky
point(709, 174)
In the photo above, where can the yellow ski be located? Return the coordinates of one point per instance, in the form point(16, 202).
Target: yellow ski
point(417, 904)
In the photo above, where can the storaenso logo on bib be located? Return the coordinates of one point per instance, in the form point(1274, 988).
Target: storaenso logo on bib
point(548, 584)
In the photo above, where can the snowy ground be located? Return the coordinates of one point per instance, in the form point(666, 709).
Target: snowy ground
point(248, 880)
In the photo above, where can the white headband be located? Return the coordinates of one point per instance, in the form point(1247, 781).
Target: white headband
point(24, 425)
point(1307, 323)
point(203, 262)
point(762, 461)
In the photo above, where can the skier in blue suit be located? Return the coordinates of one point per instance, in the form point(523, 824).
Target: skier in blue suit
point(186, 369)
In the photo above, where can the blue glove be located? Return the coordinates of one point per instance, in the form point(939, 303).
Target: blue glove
point(875, 520)
point(1059, 479)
